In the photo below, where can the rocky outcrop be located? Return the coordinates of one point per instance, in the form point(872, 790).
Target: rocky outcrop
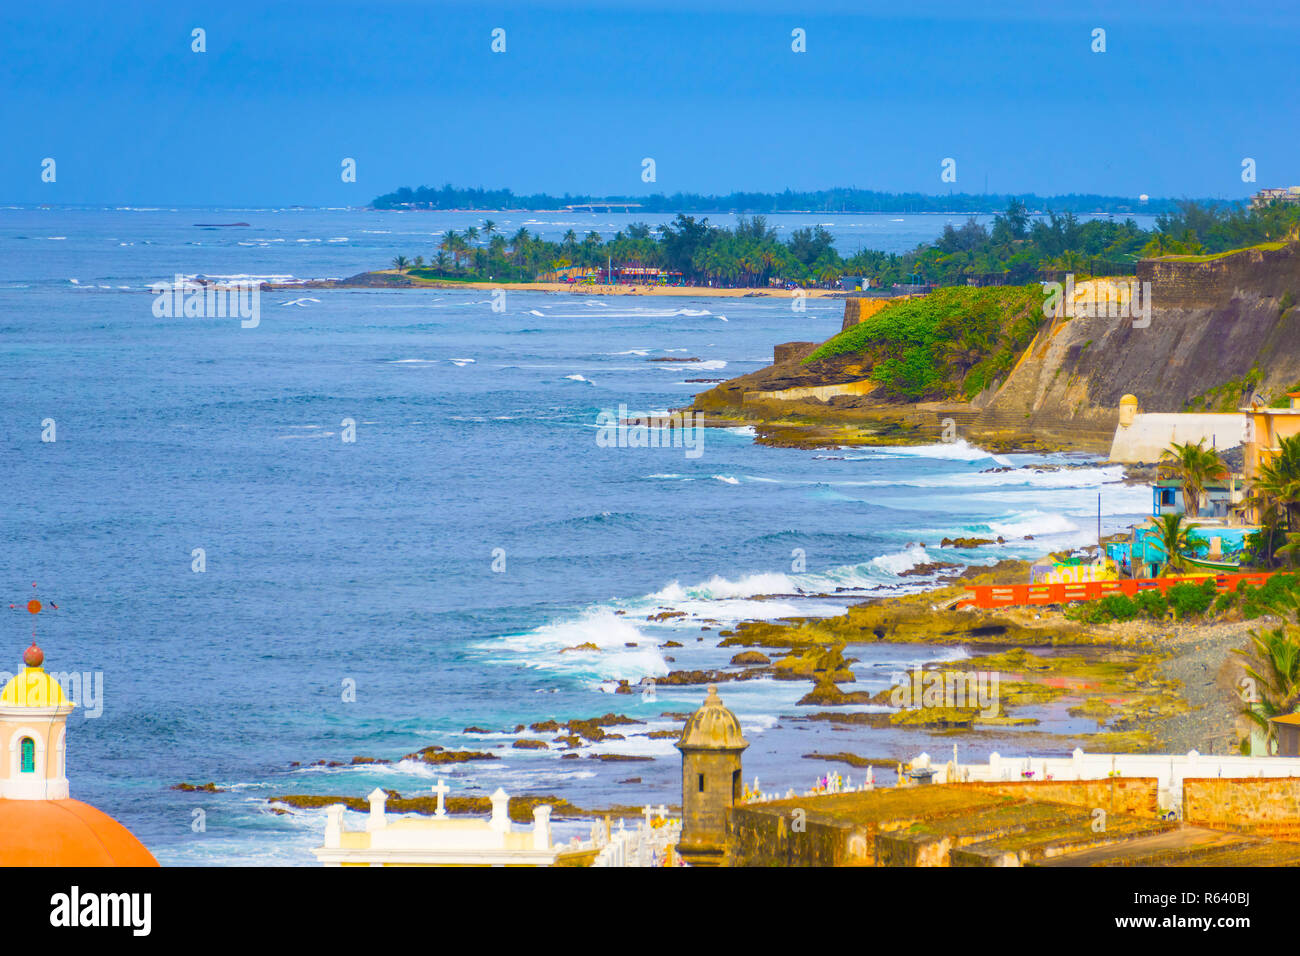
point(1225, 324)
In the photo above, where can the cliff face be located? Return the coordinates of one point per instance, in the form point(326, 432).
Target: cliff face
point(1227, 325)
point(1212, 322)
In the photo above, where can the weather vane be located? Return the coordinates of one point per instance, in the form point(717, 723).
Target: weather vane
point(34, 607)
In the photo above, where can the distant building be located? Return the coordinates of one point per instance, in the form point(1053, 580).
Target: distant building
point(1265, 428)
point(1287, 194)
point(1287, 728)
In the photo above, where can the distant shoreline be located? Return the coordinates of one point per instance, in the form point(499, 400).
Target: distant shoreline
point(391, 279)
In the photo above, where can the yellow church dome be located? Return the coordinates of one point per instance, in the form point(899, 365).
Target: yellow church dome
point(712, 727)
point(32, 687)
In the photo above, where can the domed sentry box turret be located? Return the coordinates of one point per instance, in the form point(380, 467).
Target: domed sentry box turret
point(711, 744)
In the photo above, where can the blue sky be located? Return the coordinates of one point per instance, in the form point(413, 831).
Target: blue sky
point(584, 91)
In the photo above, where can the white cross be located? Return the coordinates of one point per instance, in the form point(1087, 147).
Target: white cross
point(441, 790)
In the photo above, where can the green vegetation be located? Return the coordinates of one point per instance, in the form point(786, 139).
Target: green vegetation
point(952, 342)
point(1014, 249)
point(1277, 497)
point(1191, 600)
point(821, 200)
point(1229, 396)
point(1273, 665)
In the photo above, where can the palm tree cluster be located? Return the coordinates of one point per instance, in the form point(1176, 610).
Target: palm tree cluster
point(1017, 249)
point(1273, 666)
point(1276, 495)
point(748, 255)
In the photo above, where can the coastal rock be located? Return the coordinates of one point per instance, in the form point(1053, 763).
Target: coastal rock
point(853, 760)
point(619, 757)
point(751, 657)
point(826, 693)
point(666, 616)
point(527, 744)
point(208, 787)
point(438, 755)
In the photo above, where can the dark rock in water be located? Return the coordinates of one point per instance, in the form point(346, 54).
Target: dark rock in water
point(964, 542)
point(666, 615)
point(475, 730)
point(930, 567)
point(826, 692)
point(618, 757)
point(530, 745)
point(542, 726)
point(751, 657)
point(208, 787)
point(670, 644)
point(568, 756)
point(853, 760)
point(663, 734)
point(631, 780)
point(365, 760)
point(437, 755)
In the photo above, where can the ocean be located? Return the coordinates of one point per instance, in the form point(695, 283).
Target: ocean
point(376, 596)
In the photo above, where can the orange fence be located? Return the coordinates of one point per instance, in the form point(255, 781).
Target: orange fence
point(1009, 595)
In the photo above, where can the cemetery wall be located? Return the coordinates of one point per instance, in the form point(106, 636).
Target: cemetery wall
point(1267, 806)
point(1138, 796)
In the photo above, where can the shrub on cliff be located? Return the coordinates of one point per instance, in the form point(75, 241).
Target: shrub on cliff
point(1152, 604)
point(1191, 600)
point(951, 343)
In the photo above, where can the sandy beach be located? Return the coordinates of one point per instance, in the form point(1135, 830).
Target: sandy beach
point(394, 279)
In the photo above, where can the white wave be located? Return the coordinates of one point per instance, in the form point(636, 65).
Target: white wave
point(901, 560)
point(462, 362)
point(728, 479)
point(959, 450)
point(718, 588)
point(1037, 523)
point(578, 378)
point(544, 647)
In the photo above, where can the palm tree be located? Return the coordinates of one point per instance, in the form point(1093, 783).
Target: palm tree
point(1290, 552)
point(1196, 465)
point(1172, 538)
point(451, 243)
point(1271, 536)
point(1273, 663)
point(401, 263)
point(1278, 481)
point(489, 227)
point(471, 234)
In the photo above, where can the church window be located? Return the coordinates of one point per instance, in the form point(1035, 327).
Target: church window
point(28, 764)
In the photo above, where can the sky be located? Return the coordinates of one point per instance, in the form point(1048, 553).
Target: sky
point(585, 91)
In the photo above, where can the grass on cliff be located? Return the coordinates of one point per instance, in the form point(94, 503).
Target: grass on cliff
point(951, 343)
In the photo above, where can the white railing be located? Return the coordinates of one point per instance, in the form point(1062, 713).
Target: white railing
point(1170, 770)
